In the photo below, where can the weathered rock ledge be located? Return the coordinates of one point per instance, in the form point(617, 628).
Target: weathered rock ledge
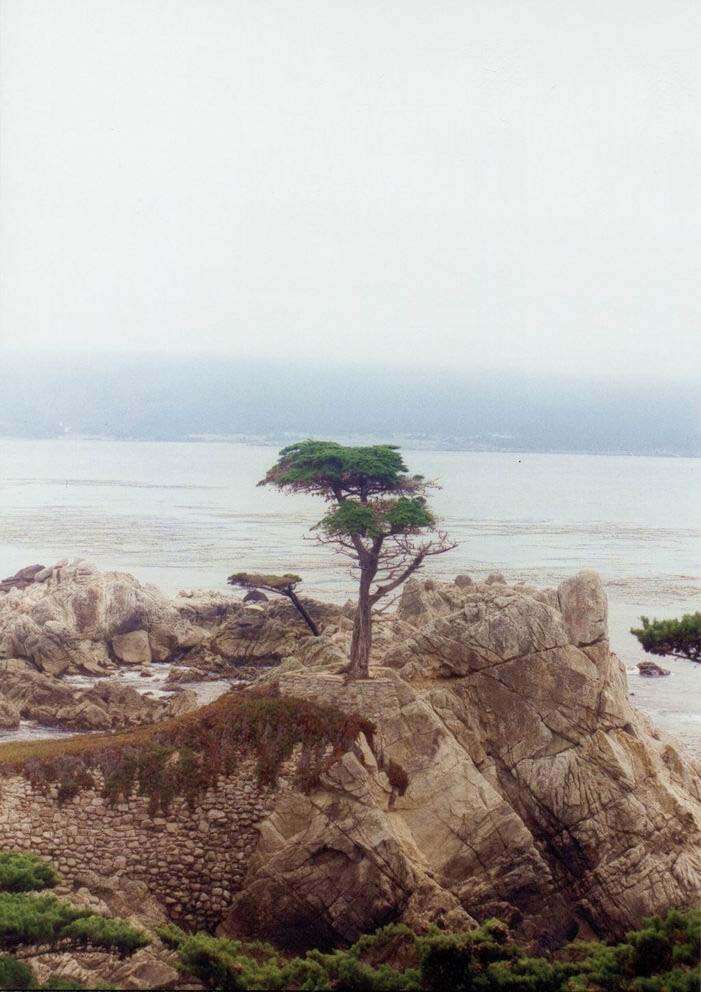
point(528, 787)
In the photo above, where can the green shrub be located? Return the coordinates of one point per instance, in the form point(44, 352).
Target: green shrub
point(660, 957)
point(56, 982)
point(25, 873)
point(31, 918)
point(15, 974)
point(680, 638)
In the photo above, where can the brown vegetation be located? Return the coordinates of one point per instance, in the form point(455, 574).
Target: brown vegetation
point(185, 756)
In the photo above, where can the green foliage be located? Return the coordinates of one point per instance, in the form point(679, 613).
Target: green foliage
point(107, 933)
point(681, 638)
point(661, 957)
point(188, 756)
point(352, 518)
point(55, 982)
point(327, 468)
point(171, 935)
point(25, 873)
point(31, 918)
point(15, 974)
point(28, 920)
point(232, 965)
point(381, 518)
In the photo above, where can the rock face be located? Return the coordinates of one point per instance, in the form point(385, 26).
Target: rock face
point(9, 715)
point(132, 648)
point(74, 619)
point(509, 776)
point(105, 706)
point(255, 634)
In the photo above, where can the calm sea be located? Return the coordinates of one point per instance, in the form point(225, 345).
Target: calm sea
point(187, 515)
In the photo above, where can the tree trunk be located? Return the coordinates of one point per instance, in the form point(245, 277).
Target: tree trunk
point(361, 643)
point(303, 613)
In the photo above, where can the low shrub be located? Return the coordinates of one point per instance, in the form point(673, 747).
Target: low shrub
point(25, 873)
point(660, 957)
point(185, 756)
point(31, 919)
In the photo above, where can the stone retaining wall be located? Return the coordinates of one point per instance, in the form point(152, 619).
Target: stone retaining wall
point(193, 860)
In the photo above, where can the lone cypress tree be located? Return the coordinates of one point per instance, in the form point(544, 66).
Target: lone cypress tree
point(379, 518)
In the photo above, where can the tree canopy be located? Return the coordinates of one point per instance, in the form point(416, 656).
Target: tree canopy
point(258, 580)
point(678, 638)
point(329, 469)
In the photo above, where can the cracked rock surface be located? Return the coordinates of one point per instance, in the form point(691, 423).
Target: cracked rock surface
point(536, 792)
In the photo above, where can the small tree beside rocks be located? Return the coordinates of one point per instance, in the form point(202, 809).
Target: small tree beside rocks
point(280, 585)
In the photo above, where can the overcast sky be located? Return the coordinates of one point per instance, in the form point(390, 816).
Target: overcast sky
point(470, 184)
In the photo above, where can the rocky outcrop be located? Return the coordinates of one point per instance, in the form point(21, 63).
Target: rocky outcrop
point(9, 715)
point(508, 776)
point(259, 634)
point(74, 619)
point(105, 706)
point(20, 580)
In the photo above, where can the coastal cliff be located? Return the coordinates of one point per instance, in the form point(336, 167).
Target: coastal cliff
point(506, 773)
point(525, 784)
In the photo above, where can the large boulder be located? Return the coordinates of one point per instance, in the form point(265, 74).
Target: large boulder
point(256, 634)
point(69, 618)
point(132, 648)
point(508, 776)
point(584, 609)
point(9, 715)
point(105, 706)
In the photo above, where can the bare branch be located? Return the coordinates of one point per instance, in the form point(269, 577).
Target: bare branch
point(426, 550)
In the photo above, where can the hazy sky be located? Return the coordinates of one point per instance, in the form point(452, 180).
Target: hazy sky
point(471, 184)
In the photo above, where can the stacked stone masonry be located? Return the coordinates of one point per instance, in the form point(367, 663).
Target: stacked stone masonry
point(193, 860)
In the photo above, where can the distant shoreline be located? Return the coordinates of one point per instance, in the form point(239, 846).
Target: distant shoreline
point(408, 443)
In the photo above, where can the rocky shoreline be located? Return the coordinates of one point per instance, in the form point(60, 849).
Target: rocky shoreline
point(507, 773)
point(83, 650)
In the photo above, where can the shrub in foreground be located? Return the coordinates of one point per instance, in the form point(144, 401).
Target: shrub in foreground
point(31, 919)
point(663, 956)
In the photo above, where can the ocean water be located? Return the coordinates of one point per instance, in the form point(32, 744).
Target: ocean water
point(186, 515)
